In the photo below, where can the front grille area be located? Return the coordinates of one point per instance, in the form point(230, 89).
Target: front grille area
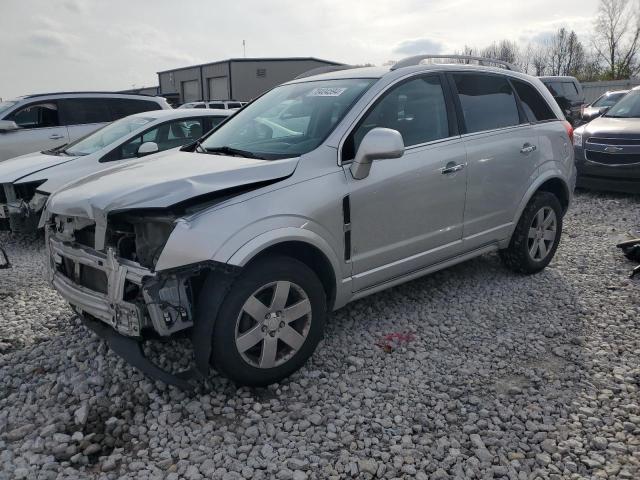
point(614, 141)
point(84, 275)
point(613, 158)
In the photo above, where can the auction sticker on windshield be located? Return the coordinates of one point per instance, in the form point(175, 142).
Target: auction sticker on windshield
point(326, 92)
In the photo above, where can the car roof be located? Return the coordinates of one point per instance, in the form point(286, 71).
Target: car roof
point(184, 112)
point(558, 77)
point(134, 96)
point(379, 72)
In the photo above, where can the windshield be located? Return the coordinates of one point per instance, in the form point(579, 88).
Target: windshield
point(608, 100)
point(4, 106)
point(106, 135)
point(627, 107)
point(288, 121)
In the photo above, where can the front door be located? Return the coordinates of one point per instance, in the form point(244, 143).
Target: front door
point(408, 213)
point(39, 130)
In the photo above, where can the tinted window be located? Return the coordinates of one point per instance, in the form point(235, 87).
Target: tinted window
point(416, 109)
point(200, 105)
point(41, 115)
point(562, 89)
point(234, 105)
point(487, 102)
point(78, 111)
point(535, 107)
point(211, 122)
point(122, 107)
point(216, 105)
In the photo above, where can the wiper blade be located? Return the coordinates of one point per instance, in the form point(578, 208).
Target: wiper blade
point(236, 152)
point(56, 150)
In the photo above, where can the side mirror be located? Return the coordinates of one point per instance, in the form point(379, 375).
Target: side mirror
point(147, 148)
point(378, 144)
point(8, 126)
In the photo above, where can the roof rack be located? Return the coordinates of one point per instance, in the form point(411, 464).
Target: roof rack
point(321, 70)
point(415, 60)
point(34, 95)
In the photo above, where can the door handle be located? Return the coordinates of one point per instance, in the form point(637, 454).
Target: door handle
point(452, 168)
point(527, 148)
point(56, 136)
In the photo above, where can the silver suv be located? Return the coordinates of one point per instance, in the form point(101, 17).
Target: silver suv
point(247, 239)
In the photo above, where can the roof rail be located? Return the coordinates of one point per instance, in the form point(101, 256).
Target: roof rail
point(321, 70)
point(35, 95)
point(415, 60)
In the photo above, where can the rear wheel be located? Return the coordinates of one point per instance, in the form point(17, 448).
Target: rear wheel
point(537, 235)
point(270, 322)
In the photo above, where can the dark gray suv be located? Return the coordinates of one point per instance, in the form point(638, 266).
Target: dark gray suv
point(607, 149)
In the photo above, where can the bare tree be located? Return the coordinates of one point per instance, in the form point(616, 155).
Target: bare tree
point(616, 37)
point(566, 55)
point(504, 50)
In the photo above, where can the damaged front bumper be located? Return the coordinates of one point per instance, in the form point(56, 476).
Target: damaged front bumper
point(18, 215)
point(120, 300)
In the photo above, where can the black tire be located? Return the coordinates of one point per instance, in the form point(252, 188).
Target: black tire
point(517, 256)
point(226, 357)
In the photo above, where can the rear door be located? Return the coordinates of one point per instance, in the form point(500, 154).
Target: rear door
point(40, 129)
point(83, 116)
point(502, 155)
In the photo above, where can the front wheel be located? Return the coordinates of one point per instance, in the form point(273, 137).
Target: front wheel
point(537, 235)
point(270, 322)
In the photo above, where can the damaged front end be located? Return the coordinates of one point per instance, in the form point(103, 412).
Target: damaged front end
point(109, 279)
point(21, 206)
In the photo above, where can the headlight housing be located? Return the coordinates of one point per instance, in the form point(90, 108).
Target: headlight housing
point(577, 137)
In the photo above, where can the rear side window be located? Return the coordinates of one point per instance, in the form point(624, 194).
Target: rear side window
point(217, 105)
point(79, 111)
point(123, 107)
point(234, 105)
point(39, 115)
point(535, 107)
point(564, 89)
point(487, 101)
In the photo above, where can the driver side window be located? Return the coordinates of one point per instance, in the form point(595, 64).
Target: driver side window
point(415, 108)
point(43, 115)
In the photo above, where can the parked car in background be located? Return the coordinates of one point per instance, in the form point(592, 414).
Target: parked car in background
point(27, 181)
point(217, 104)
point(567, 91)
point(602, 104)
point(39, 122)
point(260, 230)
point(607, 149)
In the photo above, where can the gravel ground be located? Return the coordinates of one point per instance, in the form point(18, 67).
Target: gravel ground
point(473, 372)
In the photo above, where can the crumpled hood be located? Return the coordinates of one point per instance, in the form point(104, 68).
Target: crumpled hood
point(18, 167)
point(161, 181)
point(613, 127)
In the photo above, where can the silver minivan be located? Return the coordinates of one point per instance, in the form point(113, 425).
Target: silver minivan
point(41, 122)
point(373, 177)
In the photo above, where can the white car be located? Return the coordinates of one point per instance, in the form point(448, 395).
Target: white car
point(218, 104)
point(27, 181)
point(37, 122)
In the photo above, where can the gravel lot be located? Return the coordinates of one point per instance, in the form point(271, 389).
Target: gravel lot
point(473, 372)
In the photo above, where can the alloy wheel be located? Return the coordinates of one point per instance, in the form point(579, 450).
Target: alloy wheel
point(273, 324)
point(542, 234)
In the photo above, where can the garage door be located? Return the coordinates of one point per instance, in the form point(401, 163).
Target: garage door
point(218, 88)
point(190, 91)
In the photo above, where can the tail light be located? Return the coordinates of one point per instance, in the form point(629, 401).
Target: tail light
point(569, 129)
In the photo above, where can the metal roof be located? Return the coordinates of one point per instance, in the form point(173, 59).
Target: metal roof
point(255, 59)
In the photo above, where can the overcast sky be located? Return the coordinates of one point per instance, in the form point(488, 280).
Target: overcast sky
point(49, 45)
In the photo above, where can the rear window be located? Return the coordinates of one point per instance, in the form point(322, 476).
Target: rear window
point(534, 105)
point(79, 111)
point(565, 89)
point(487, 101)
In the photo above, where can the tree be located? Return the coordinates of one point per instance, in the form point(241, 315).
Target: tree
point(504, 50)
point(566, 55)
point(616, 36)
